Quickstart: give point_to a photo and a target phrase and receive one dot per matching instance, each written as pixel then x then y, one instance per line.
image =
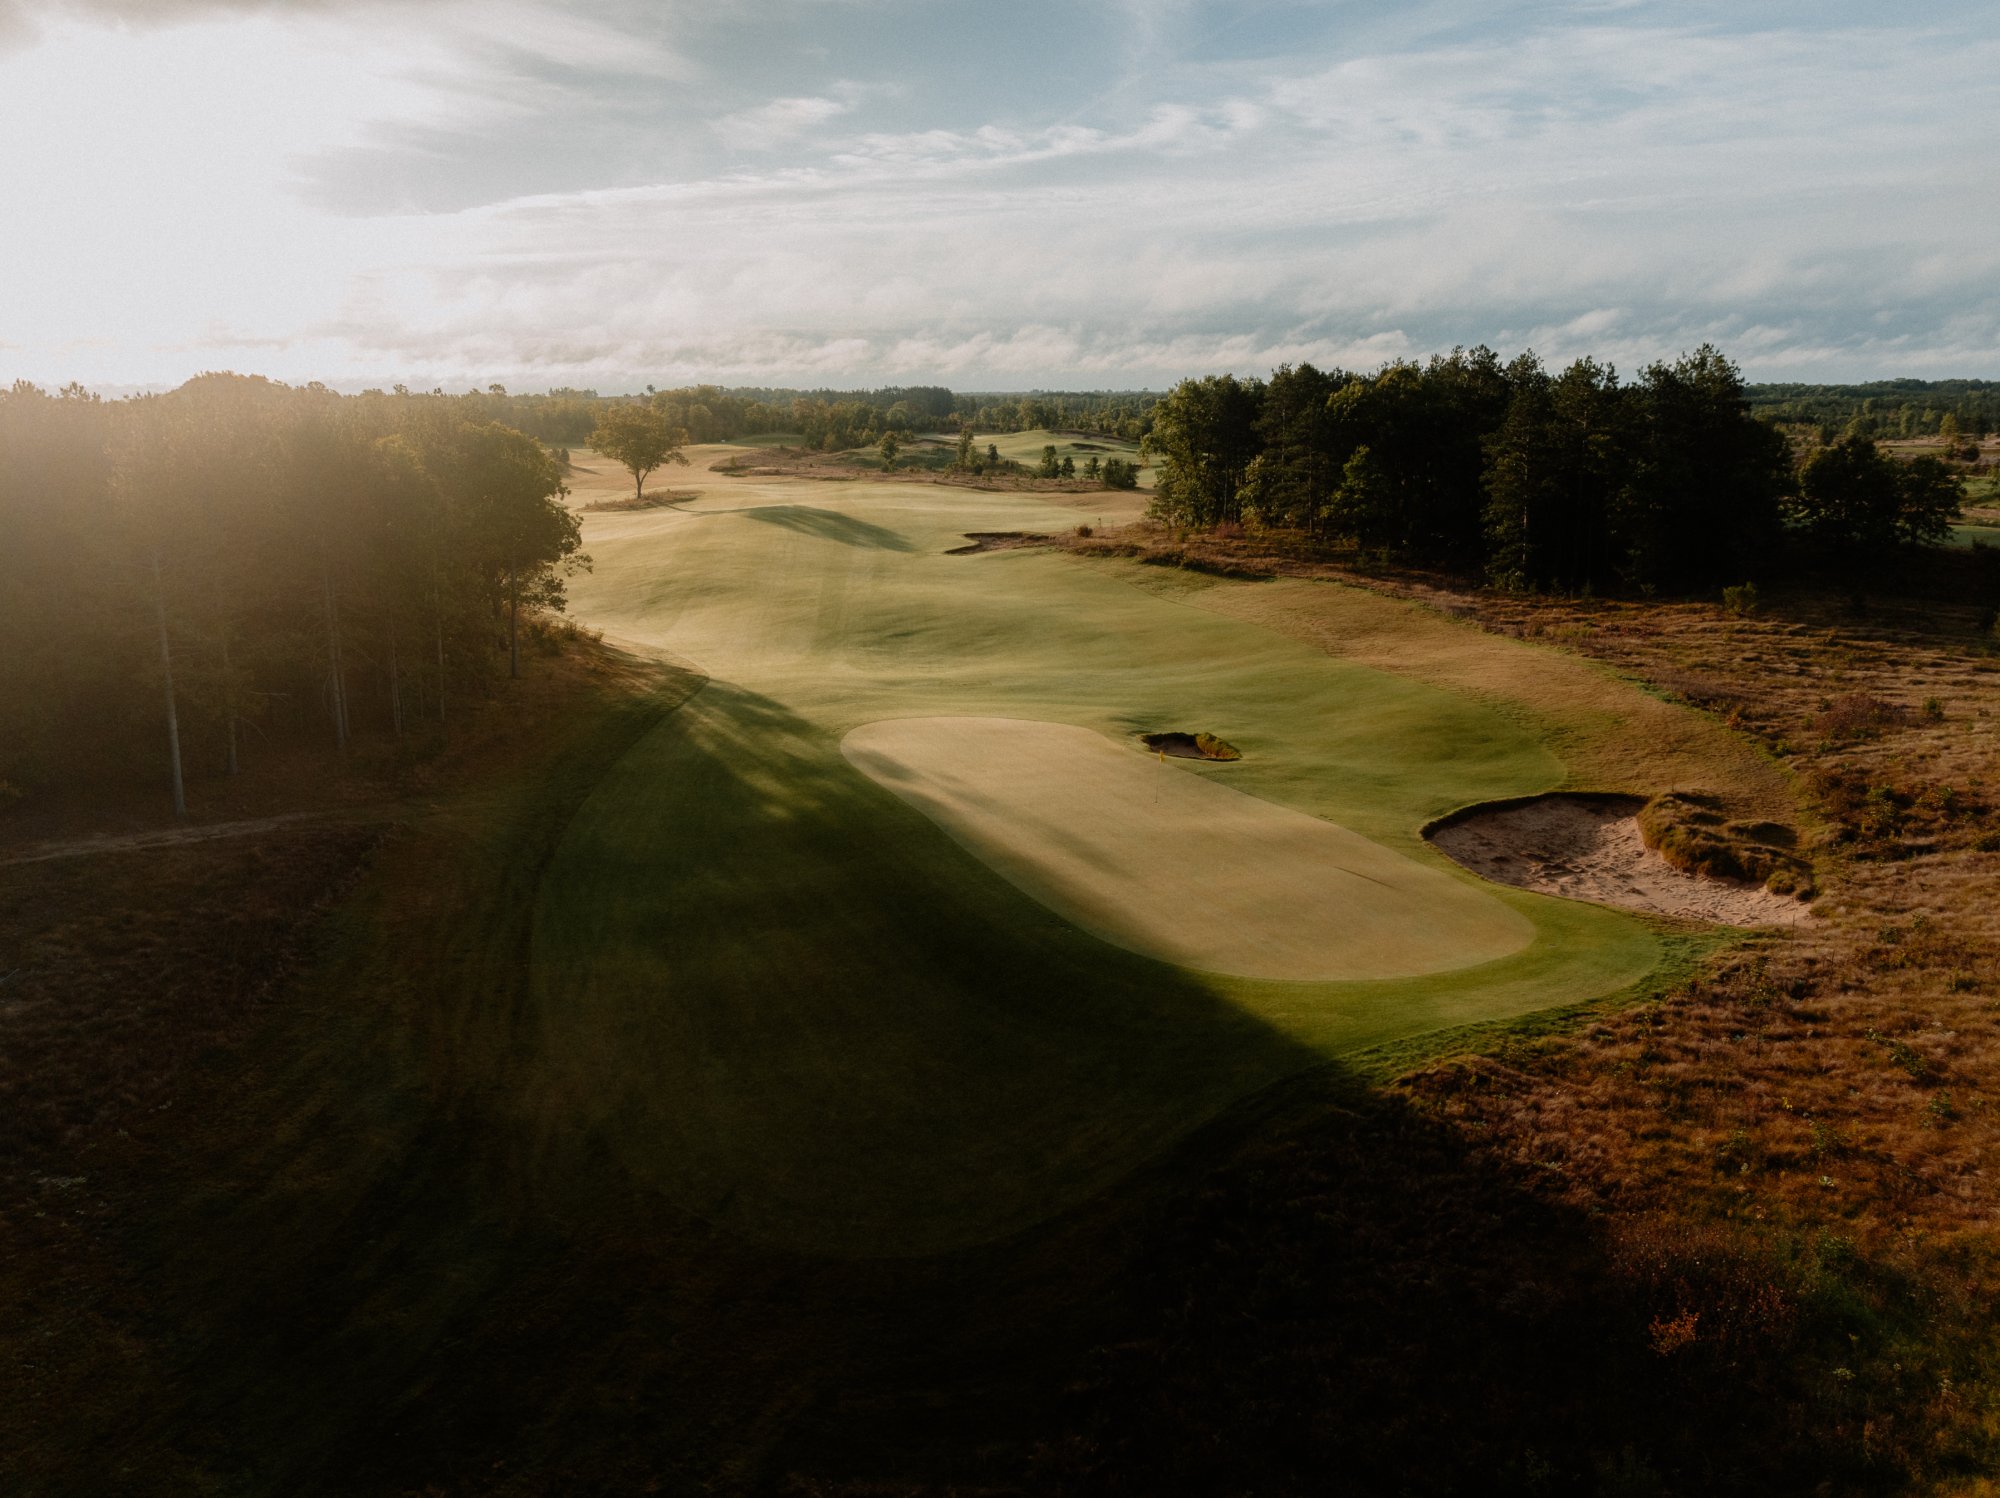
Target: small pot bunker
pixel 1191 745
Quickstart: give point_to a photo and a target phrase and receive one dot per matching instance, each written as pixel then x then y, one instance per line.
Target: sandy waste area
pixel 1586 849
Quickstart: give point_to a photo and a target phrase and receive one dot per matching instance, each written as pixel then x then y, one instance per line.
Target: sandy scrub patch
pixel 1589 848
pixel 1159 860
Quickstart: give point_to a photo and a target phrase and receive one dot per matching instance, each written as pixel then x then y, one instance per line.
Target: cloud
pixel 778 123
pixel 22 22
pixel 571 193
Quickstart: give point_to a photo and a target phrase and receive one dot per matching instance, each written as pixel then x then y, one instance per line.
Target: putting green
pixel 1146 855
pixel 800 1005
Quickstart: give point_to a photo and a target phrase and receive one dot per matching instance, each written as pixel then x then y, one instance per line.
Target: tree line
pixel 1123 414
pixel 829 420
pixel 1536 478
pixel 1884 409
pixel 846 419
pixel 192 577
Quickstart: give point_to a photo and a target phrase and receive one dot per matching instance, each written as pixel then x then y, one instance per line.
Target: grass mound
pixel 1191 745
pixel 1690 832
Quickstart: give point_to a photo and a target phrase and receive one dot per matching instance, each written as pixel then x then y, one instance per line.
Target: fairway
pixel 832 1000
pixel 1164 862
pixel 1026 448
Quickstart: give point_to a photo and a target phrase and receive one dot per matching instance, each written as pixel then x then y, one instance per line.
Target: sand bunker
pixel 1190 746
pixel 1154 858
pixel 1589 848
pixel 998 541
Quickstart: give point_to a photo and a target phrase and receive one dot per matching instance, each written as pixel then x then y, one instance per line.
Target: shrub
pixel 1690 833
pixel 1741 601
pixel 1857 716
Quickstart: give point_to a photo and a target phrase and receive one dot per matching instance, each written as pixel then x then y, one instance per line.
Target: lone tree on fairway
pixel 640 438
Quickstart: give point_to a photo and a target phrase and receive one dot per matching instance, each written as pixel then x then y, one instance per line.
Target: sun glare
pixel 161 205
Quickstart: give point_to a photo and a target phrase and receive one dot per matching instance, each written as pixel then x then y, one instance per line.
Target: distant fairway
pixel 1026 447
pixel 806 1009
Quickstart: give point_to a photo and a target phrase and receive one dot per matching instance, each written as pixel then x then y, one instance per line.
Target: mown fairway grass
pixel 792 1002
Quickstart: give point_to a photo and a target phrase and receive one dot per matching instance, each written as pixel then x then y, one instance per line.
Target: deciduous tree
pixel 641 438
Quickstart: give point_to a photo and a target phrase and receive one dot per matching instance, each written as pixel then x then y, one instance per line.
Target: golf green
pixel 822 1013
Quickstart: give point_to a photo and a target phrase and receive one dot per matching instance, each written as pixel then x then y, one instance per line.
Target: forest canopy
pixel 1532 477
pixel 243 558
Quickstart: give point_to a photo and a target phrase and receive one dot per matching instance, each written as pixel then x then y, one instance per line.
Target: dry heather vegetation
pixel 1692 832
pixel 1794 1151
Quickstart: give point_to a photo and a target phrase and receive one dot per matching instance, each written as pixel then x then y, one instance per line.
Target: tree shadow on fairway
pixel 701 1119
pixel 791 1001
pixel 830 525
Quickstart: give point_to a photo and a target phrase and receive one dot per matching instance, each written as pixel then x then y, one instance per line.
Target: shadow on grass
pixel 830 525
pixel 787 999
pixel 687 1120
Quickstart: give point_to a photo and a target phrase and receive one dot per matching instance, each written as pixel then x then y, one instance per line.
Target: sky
pixel 1092 194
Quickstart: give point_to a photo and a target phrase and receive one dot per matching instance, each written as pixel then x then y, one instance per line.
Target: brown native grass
pixel 1822 1107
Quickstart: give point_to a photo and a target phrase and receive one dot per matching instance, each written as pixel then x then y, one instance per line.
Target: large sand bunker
pixel 1590 848
pixel 1159 860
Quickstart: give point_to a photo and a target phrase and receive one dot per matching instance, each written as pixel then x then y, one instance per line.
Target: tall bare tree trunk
pixel 513 624
pixel 437 614
pixel 395 689
pixel 229 698
pixel 336 683
pixel 167 679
